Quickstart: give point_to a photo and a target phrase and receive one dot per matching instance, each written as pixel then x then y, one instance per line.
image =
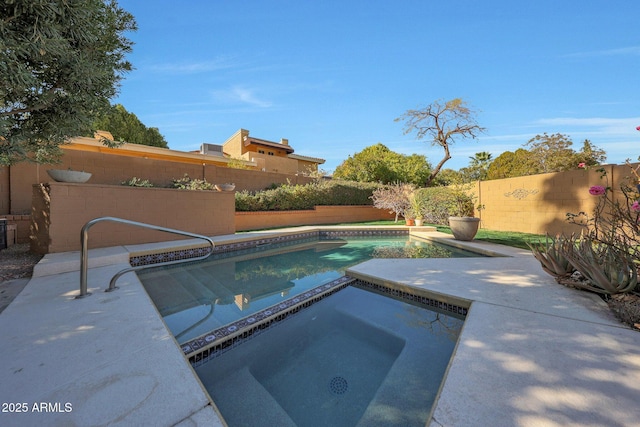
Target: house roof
pixel 307 158
pixel 256 141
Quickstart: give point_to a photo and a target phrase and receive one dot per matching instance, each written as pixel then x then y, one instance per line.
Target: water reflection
pixel 195 298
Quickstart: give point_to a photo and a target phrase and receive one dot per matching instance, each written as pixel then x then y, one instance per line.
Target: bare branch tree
pixel 443 122
pixel 395 197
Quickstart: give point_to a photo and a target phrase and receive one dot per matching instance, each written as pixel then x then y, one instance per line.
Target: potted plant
pixel 463 224
pixel 409 217
pixel 417 208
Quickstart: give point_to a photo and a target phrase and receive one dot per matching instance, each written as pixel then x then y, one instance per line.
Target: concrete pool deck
pixel 531 353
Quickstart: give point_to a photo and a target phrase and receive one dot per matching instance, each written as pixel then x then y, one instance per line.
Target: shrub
pixel 186 183
pixel 552 255
pixel 138 182
pixel 442 202
pixel 608 269
pixel 301 197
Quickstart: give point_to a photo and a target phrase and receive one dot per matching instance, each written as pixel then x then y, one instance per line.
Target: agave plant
pixel 609 269
pixel 550 254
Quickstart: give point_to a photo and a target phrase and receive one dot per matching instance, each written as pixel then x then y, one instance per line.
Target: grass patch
pixel 508 238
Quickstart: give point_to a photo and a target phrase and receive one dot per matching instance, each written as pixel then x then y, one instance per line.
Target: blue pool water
pixel 353 358
pixel 196 298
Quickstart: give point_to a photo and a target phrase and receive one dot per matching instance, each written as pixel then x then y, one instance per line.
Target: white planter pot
pixel 464 227
pixel 225 187
pixel 66 175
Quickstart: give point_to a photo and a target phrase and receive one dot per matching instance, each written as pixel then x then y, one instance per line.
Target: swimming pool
pixel 354 358
pixel 196 298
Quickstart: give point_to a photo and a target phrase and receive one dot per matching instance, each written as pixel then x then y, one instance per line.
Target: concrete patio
pixel 531 353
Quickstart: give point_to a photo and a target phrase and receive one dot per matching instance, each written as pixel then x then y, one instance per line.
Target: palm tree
pixel 482 159
pixel 479 165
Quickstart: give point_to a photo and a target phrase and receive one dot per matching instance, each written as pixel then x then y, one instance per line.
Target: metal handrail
pixel 84 251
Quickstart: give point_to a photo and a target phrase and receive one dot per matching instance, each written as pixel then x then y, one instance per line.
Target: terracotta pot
pixel 464 227
pixel 409 222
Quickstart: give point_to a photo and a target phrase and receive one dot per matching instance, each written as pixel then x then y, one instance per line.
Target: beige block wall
pixel 60 210
pixel 539 203
pixel 320 215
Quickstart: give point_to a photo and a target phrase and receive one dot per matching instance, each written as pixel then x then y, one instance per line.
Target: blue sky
pixel 332 76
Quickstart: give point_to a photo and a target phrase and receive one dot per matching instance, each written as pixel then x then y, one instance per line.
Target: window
pixel 271 153
pixel 260 151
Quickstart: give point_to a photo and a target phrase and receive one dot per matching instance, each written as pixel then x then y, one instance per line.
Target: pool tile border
pixel 412 297
pixel 206 347
pixel 180 254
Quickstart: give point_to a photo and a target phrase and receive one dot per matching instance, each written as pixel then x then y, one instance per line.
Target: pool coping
pixel 514 364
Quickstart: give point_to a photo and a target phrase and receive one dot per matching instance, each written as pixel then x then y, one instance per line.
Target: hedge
pixel 301 197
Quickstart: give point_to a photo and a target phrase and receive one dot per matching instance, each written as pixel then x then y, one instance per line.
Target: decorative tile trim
pixel 204 348
pixel 150 259
pixel 215 343
pixel 408 296
pixel 362 233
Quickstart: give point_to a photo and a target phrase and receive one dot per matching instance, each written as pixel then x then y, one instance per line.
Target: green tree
pixel 126 127
pixel 511 164
pixel 443 122
pixel 547 153
pixel 448 177
pixel 553 152
pixel 590 155
pixel 60 63
pixel 377 163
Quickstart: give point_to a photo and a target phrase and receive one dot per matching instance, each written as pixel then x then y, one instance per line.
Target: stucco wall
pixel 320 215
pixel 273 164
pixel 60 210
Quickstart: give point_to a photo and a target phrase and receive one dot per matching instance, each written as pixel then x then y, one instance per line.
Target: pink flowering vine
pixel 635 206
pixel 597 190
pixel 582 165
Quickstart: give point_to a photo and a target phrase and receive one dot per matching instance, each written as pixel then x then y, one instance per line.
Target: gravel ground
pixel 17 262
pixel 16 267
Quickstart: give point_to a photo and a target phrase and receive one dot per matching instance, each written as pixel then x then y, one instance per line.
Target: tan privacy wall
pixel 113 169
pixel 60 210
pixel 539 203
pixel 320 215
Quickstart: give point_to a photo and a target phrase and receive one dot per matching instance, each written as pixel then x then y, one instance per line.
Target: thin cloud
pixel 594 124
pixel 622 51
pixel 220 63
pixel 243 95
